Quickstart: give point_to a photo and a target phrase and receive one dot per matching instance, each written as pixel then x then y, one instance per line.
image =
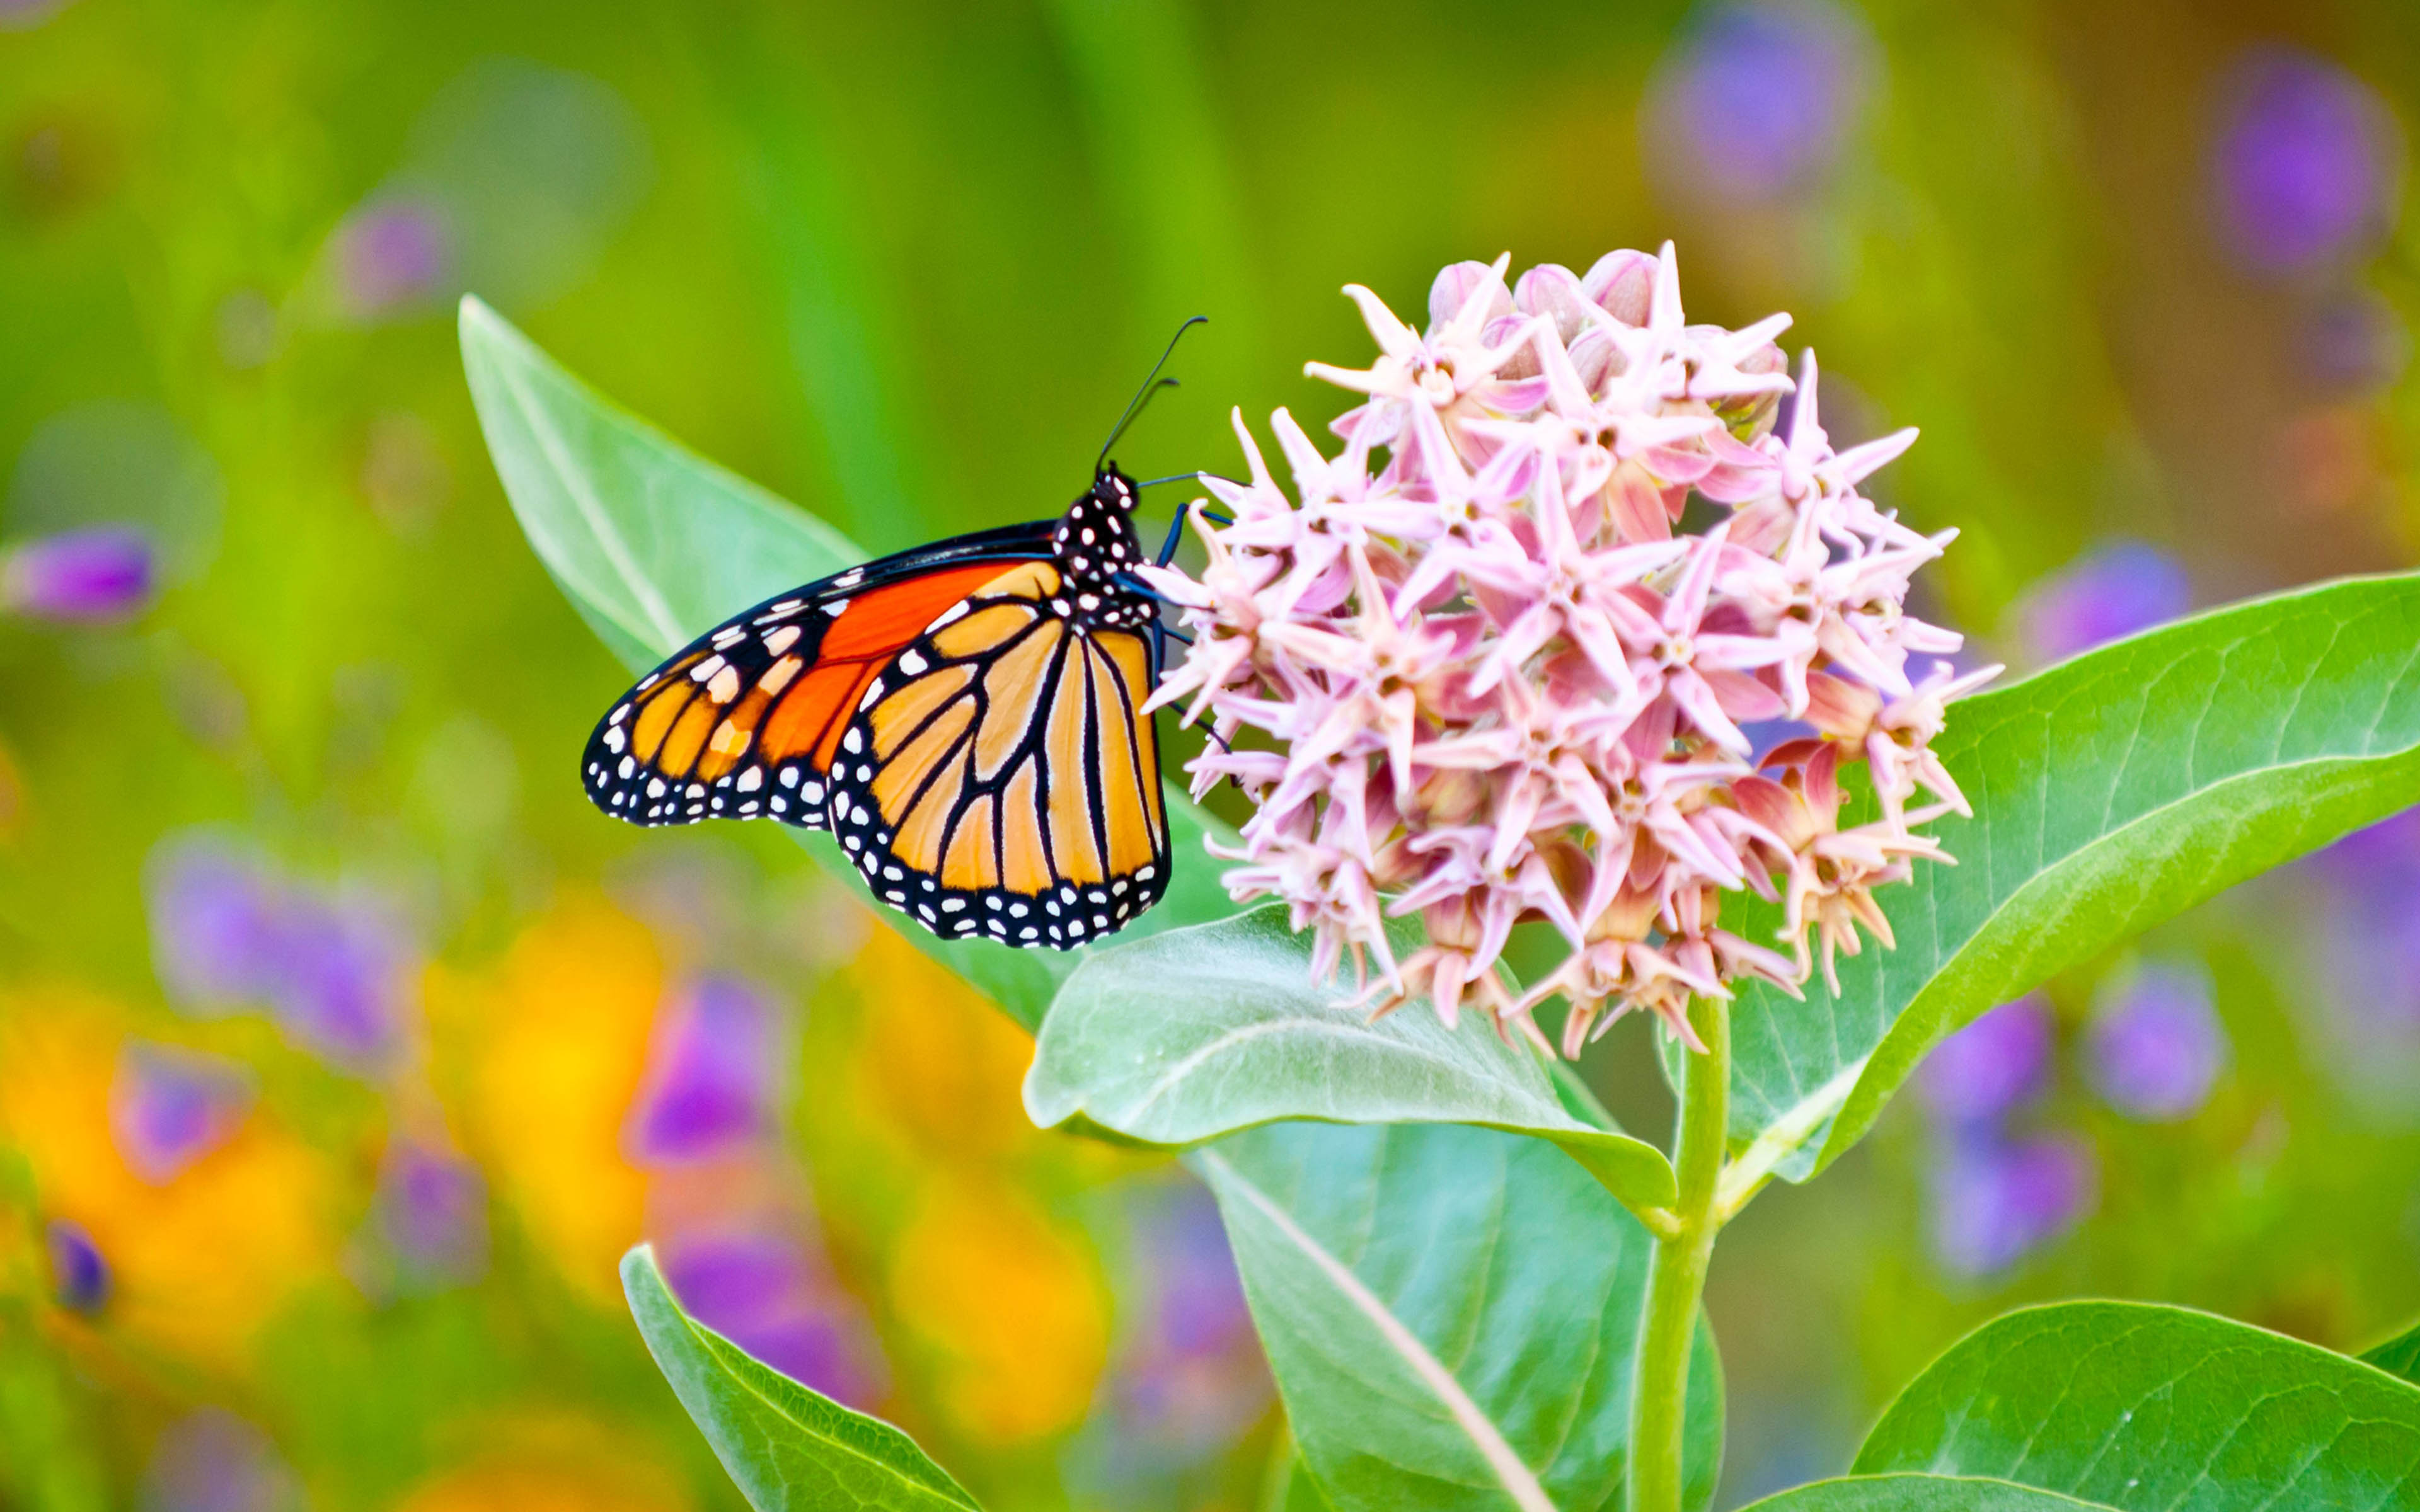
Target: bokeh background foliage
pixel 341 1042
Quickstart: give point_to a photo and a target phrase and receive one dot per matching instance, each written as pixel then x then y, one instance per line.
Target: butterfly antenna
pixel 1151 385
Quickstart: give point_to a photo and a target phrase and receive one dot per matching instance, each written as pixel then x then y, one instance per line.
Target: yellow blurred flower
pixel 556 1467
pixel 198 1261
pixel 568 1013
pixel 939 1062
pixel 1014 1311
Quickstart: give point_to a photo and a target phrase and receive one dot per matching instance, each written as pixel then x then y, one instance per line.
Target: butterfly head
pixel 1114 489
pixel 1094 541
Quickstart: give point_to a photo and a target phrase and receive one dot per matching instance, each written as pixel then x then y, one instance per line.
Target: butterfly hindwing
pixel 999 779
pixel 746 720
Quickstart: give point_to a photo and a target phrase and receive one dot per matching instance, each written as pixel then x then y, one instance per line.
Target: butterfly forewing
pixel 1000 779
pixel 747 720
pixel 968 718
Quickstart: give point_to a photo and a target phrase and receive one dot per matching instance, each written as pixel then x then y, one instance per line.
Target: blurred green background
pixel 343 1047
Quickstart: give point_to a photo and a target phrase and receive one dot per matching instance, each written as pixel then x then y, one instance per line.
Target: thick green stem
pixel 1659 1382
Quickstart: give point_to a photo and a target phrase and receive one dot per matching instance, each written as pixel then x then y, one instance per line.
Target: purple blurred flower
pixel 1191 1377
pixel 760 1289
pixel 1759 102
pixel 1992 1066
pixel 2364 947
pixel 392 253
pixel 91 575
pixel 1996 1200
pixel 709 1077
pixel 432 1208
pixel 214 1461
pixel 169 1108
pixel 25 15
pixel 2305 166
pixel 2156 1044
pixel 1201 1308
pixel 226 930
pixel 78 1275
pixel 216 924
pixel 340 978
pixel 2111 593
pixel 2372 912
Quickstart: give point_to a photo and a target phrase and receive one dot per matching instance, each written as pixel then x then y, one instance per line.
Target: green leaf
pixel 654 546
pixel 1200 1032
pixel 2110 793
pixel 650 542
pixel 1451 1314
pixel 787 1448
pixel 2137 1405
pixel 1920 1493
pixel 2398 1356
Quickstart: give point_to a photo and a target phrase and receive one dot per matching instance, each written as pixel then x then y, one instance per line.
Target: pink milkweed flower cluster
pixel 1495 681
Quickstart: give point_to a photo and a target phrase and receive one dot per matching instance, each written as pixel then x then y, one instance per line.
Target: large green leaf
pixel 1451 1313
pixel 2110 793
pixel 788 1448
pixel 654 546
pixel 651 544
pixel 1920 1493
pixel 1201 1032
pixel 2143 1407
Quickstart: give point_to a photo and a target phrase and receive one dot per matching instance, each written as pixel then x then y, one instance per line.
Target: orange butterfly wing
pixel 1002 779
pixel 746 720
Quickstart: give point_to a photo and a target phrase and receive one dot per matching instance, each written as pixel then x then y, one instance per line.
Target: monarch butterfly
pixel 966 716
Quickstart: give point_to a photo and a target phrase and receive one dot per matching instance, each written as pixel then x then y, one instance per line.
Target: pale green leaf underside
pixel 1920 1493
pixel 789 1449
pixel 1449 1312
pixel 2110 793
pixel 2142 1407
pixel 1201 1032
pixel 654 546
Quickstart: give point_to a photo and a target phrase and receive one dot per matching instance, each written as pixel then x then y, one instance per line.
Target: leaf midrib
pixel 1517 1480
pixel 713 1345
pixel 1229 1038
pixel 592 511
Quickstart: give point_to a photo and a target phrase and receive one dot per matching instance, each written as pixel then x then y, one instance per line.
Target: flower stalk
pixel 1676 1277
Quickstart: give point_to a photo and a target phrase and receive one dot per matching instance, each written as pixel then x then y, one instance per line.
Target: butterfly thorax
pixel 1095 545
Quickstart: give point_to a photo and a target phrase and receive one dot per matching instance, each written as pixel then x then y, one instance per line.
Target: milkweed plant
pixel 1580 625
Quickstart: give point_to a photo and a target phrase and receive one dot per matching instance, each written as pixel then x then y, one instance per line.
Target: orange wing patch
pixel 750 718
pixel 1014 790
